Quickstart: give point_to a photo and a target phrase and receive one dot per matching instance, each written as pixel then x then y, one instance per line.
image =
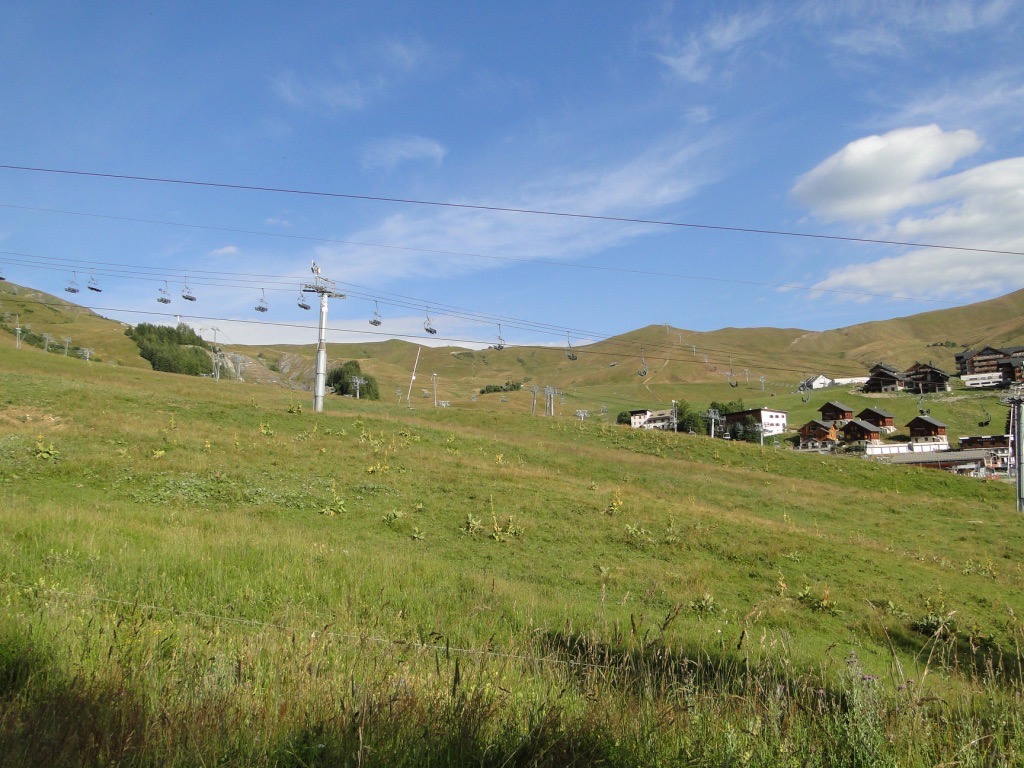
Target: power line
pixel 519 259
pixel 502 209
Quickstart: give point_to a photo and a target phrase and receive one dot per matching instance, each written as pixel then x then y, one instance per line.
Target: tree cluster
pixel 176 349
pixel 508 386
pixel 340 380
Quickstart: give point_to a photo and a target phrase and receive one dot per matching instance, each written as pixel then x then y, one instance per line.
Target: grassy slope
pixel 218 499
pixel 49 314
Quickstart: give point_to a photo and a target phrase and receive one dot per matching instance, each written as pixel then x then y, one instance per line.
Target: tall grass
pixel 198 574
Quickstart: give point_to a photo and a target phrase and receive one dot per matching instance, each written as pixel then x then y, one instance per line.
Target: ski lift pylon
pixel 261 305
pixel 375 321
pixel 164 296
pixel 186 292
pixel 426 323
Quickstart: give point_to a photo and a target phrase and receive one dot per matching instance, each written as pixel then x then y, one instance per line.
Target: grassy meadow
pixel 207 573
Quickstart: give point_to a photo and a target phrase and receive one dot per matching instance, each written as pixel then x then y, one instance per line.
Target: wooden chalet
pixel 836 412
pixel 925 378
pixel 885 378
pixel 857 431
pixel 985 360
pixel 925 426
pixel 884 420
pixel 1012 370
pixel 815 429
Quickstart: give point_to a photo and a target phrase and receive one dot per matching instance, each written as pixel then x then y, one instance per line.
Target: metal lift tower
pixel 325 288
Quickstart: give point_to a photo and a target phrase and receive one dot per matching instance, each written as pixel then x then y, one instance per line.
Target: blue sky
pixel 878 120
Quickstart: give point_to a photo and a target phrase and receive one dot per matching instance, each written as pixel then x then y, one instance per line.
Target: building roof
pixel 837 406
pixel 885 367
pixel 938 457
pixel 820 423
pixel 927 420
pixel 866 426
pixel 925 366
pixel 877 412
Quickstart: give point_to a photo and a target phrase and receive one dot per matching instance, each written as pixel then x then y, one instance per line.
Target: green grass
pixel 195 573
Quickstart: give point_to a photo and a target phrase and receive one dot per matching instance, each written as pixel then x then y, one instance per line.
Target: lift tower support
pixel 326 289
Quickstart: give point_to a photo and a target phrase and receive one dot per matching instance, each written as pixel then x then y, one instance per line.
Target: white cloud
pixel 697 58
pixel 227 250
pixel 931 274
pixel 878 175
pixel 387 154
pixel 273 221
pixel 893 182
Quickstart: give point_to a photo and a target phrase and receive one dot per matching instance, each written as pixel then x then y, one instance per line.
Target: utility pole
pixel 358 381
pixel 325 288
pixel 408 396
pixel 1016 402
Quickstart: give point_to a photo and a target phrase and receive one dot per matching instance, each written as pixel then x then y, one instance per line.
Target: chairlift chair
pixel 988 417
pixel 643 364
pixel 93 285
pixel 501 342
pixel 569 353
pixel 72 286
pixel 375 320
pixel 186 292
pixel 261 305
pixel 303 304
pixel 426 324
pixel 164 296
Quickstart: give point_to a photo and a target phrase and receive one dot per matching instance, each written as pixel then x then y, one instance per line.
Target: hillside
pixel 201 572
pixel 765 363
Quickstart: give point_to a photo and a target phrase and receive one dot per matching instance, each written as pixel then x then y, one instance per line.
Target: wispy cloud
pixel 895 184
pixel 387 154
pixel 227 250
pixel 701 54
pixel 995 99
pixel 868 27
pixel 449 239
pixel 351 85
